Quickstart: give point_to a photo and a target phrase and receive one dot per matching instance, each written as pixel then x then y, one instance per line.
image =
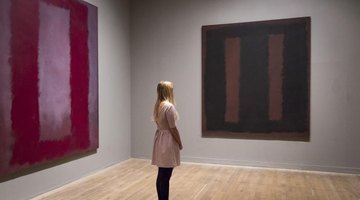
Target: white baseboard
pixel 287 166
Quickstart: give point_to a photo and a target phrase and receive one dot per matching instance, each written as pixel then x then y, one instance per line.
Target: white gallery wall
pixel 114 109
pixel 166 45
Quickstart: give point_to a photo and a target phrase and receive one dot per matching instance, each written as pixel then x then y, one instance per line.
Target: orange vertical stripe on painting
pixel 276 46
pixel 232 73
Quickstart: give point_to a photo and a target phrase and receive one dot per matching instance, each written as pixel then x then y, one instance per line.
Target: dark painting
pixel 256 80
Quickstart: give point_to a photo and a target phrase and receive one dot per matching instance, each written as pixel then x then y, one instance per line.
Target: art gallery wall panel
pixel 114 109
pixel 166 45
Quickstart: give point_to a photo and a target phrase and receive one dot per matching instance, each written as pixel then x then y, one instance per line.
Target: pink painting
pixel 48 81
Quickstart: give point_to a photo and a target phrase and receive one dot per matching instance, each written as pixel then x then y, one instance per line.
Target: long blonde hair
pixel 165 92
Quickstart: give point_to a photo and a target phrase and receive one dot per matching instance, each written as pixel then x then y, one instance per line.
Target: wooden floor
pixel 135 179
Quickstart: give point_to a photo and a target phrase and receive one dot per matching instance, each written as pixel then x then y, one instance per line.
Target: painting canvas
pixel 48 81
pixel 256 80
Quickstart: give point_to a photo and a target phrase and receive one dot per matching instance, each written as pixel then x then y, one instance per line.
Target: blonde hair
pixel 164 93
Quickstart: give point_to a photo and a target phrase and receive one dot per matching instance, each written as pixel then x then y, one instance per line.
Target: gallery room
pixel 262 99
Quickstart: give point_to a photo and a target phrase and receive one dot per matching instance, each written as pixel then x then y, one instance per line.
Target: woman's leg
pixel 162 183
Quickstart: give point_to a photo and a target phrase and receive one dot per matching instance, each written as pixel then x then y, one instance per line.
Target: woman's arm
pixel 175 133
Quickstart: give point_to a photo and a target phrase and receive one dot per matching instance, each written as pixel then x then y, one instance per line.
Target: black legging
pixel 162 183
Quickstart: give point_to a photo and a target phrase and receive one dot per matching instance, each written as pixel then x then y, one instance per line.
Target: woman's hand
pixel 175 133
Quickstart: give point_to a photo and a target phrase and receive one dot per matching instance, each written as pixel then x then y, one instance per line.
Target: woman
pixel 167 142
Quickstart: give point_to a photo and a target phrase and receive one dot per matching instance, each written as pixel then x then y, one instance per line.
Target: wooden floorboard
pixel 135 179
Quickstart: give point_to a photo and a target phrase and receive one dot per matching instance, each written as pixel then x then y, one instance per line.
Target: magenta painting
pixel 48 81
